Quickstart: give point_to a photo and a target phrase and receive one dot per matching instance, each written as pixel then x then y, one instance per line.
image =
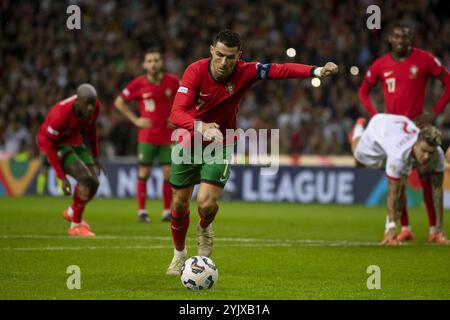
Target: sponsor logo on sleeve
pixel 438 62
pixel 263 70
pixel 52 131
pixel 183 90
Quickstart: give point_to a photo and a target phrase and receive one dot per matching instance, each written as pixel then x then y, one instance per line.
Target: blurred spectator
pixel 42 62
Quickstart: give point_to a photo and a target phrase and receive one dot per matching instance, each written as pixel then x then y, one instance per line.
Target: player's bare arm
pixel 395 203
pixel 437 181
pixel 140 122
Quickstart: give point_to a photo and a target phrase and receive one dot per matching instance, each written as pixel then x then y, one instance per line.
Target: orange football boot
pixel 360 121
pixel 405 235
pixel 80 231
pixel 67 217
pixel 438 238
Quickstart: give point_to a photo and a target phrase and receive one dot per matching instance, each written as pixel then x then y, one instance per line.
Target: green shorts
pixel 68 155
pixel 147 153
pixel 196 168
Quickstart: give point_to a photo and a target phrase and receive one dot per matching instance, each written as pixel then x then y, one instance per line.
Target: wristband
pixel 317 71
pixel 390 225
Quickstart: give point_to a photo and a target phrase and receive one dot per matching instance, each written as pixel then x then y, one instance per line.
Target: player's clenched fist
pixel 66 187
pixel 329 69
pixel 210 131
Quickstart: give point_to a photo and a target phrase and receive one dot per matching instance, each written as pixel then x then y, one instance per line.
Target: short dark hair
pixel 431 135
pixel 152 49
pixel 401 25
pixel 229 38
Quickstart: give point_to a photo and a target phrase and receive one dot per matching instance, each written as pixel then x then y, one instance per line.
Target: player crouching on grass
pixel 60 139
pixel 208 98
pixel 396 141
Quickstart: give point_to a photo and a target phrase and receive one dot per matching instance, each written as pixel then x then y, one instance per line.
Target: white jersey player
pixel 396 142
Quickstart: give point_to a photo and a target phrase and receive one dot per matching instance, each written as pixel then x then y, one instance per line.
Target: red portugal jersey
pixel 404 81
pixel 155 103
pixel 201 97
pixel 63 127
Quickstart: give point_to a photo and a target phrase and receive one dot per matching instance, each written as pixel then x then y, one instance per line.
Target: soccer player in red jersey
pixel 208 98
pixel 154 92
pixel 60 139
pixel 404 73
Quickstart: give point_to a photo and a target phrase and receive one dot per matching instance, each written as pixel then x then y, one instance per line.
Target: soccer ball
pixel 199 273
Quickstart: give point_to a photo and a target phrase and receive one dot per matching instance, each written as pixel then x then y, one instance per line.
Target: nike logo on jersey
pixel 387 74
pixel 204 94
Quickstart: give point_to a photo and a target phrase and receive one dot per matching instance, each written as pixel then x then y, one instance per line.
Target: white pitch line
pixel 224 239
pixel 86 248
pixel 152 247
pixel 230 242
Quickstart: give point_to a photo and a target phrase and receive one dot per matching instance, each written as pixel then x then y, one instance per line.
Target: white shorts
pixel 366 154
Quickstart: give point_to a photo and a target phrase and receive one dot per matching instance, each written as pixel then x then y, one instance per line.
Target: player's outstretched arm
pixel 140 122
pixel 294 70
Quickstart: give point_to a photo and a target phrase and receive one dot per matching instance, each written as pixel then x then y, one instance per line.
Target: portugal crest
pixel 230 87
pixel 413 72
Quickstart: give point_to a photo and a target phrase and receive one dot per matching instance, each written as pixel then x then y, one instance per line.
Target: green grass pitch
pixel 262 251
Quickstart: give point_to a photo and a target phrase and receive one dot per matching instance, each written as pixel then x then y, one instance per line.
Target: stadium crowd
pixel 42 62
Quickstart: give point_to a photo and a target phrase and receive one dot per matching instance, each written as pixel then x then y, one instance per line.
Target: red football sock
pixel 167 194
pixel 404 220
pixel 141 193
pixel 180 225
pixel 206 220
pixel 428 198
pixel 78 205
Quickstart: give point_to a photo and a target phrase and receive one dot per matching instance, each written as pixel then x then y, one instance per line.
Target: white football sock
pixel 177 253
pixel 434 229
pixel 407 228
pixel 70 212
pixel 74 224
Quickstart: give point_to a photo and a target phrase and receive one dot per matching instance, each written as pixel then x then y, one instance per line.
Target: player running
pixel 404 73
pixel 396 142
pixel 210 93
pixel 154 92
pixel 60 139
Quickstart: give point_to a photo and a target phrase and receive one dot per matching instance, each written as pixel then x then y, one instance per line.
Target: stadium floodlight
pixel 315 82
pixel 291 52
pixel 354 70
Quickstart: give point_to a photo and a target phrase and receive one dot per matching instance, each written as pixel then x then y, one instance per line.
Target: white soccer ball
pixel 199 273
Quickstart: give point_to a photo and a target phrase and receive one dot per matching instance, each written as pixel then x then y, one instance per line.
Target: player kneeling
pixel 61 141
pixel 398 143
